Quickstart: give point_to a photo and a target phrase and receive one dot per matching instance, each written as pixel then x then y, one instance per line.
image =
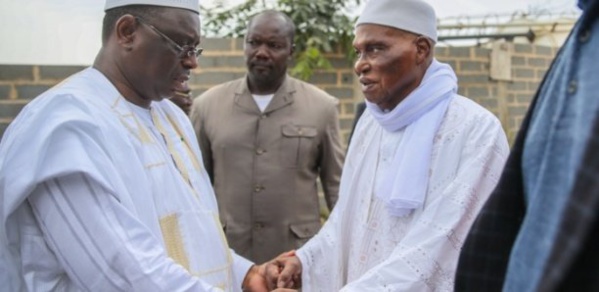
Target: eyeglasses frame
pixel 184 51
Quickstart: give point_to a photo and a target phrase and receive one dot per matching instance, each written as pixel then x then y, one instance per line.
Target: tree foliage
pixel 322 26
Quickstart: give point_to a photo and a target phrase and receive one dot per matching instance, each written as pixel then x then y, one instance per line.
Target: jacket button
pixel 260 151
pixel 584 36
pixel 258 188
pixel 572 87
pixel 258 225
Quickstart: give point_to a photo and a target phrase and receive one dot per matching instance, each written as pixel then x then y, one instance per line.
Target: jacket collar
pixel 283 96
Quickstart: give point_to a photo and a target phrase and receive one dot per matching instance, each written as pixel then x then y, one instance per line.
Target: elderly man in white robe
pixel 421 163
pixel 101 182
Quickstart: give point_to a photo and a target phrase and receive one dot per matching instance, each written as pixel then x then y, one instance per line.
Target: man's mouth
pixel 260 66
pixel 182 86
pixel 181 93
pixel 367 84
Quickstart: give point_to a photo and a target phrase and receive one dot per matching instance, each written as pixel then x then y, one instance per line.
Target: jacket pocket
pixel 302 232
pixel 296 143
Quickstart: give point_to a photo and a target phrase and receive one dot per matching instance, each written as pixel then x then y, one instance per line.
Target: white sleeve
pixel 102 245
pixel 241 266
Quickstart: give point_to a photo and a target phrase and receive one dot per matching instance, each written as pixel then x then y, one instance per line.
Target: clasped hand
pixel 281 274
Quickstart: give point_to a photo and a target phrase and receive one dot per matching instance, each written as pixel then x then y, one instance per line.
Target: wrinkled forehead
pixel 180 21
pixel 268 25
pixel 177 16
pixel 367 32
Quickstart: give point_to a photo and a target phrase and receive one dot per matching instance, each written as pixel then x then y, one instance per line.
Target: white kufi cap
pixel 193 5
pixel 415 16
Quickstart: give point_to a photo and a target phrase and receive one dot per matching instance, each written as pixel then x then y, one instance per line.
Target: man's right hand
pixel 284 271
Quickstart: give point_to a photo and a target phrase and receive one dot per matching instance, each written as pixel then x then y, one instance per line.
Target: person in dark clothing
pixel 539 229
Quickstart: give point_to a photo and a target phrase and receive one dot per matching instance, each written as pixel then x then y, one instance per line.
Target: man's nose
pixel 361 66
pixel 262 51
pixel 190 62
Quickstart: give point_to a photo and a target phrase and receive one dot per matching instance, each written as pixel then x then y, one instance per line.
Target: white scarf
pixel 404 185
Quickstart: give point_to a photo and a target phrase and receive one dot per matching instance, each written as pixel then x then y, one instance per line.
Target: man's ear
pixel 424 49
pixel 125 28
pixel 291 51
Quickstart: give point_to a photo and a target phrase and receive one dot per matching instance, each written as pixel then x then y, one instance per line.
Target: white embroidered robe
pixel 97 194
pixel 363 248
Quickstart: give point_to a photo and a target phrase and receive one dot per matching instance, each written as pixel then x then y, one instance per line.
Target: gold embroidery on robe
pixel 175 248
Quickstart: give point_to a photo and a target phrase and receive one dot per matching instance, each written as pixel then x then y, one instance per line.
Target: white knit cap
pixel 193 5
pixel 415 16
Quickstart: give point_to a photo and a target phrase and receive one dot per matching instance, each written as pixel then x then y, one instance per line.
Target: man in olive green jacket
pixel 265 140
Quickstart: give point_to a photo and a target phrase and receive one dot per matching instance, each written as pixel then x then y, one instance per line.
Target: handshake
pixel 281 274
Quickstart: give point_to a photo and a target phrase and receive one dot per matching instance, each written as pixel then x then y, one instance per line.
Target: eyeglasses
pixel 182 51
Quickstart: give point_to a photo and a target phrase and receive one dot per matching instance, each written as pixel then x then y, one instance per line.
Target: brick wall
pixel 223 61
pixel 508 100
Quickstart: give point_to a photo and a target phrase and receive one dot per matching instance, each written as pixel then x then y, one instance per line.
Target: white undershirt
pixel 262 100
